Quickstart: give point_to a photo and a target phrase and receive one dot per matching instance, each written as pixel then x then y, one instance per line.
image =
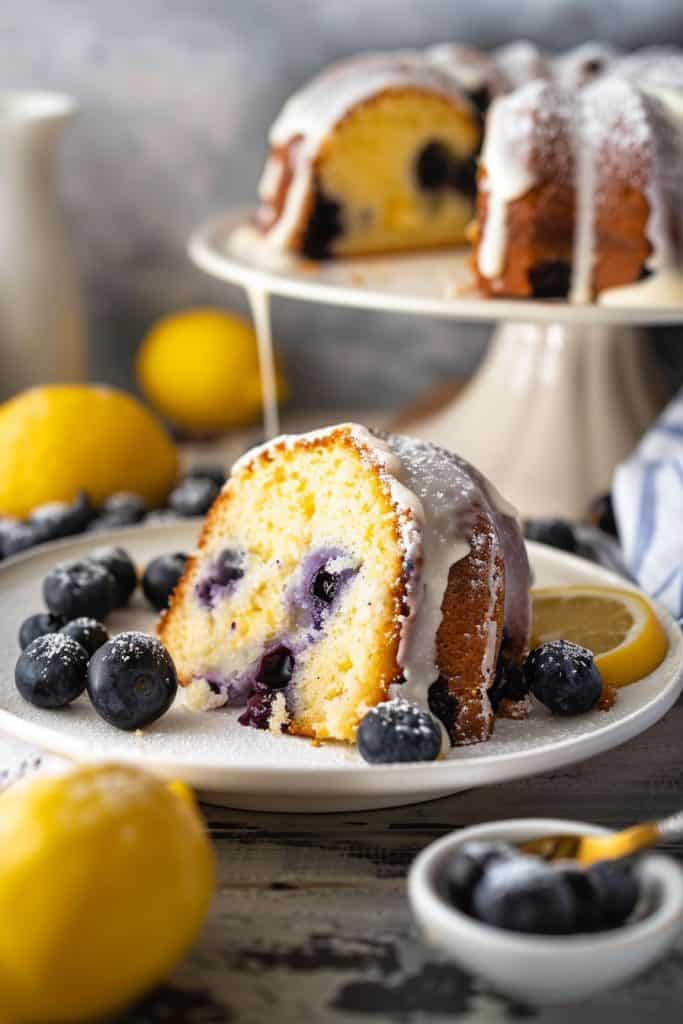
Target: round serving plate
pixel 246 768
pixel 437 283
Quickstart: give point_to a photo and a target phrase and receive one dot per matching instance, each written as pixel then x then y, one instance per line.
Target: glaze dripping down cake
pixel 341 568
pixel 579 188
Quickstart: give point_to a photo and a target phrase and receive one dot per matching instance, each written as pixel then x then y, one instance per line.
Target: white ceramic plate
pixel 437 283
pixel 243 767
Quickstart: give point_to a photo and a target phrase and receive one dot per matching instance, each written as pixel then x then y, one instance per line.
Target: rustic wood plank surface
pixel 311 923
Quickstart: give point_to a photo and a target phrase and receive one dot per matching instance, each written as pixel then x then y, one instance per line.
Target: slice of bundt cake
pixel 374 155
pixel 339 568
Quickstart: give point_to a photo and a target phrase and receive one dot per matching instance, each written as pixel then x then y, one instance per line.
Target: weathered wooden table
pixel 311 923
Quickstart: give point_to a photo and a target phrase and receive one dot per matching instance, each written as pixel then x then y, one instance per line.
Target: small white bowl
pixel 539 969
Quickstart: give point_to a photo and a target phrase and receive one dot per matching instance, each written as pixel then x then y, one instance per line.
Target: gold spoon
pixel 588 849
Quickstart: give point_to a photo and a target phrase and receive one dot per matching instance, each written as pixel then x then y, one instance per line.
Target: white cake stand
pixel 563 394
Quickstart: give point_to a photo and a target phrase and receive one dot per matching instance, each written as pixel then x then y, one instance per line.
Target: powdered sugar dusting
pixel 51 647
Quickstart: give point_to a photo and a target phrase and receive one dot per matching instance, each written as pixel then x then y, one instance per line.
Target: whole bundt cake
pixel 579 192
pixel 340 568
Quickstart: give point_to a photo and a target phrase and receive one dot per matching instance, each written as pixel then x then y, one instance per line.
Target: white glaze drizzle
pixel 508 157
pixel 310 115
pixel 521 62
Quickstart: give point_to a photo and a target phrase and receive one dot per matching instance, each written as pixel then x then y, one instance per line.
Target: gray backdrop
pixel 176 99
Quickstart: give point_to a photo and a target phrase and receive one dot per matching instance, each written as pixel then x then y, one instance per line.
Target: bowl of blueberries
pixel 543 932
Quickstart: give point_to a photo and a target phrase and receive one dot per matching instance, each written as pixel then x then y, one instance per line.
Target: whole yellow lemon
pixel 106 874
pixel 200 370
pixel 61 439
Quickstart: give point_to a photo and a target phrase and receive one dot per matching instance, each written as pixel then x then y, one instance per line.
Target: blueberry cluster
pixel 501 886
pixel 192 496
pixel 131 679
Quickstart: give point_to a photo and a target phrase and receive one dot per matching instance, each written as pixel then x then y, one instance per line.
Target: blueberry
pixel 510 683
pixel 601 514
pixel 21 537
pixel 325 225
pixel 121 509
pixel 444 705
pixel 61 518
pixel 132 680
pixel 7 526
pixel 51 672
pixel 37 625
pixel 325 585
pixel 118 562
pixel 82 587
pixel 193 496
pixel 433 166
pixel 225 569
pixel 586 893
pixel 398 731
pixel 276 668
pixel 259 707
pixel 524 894
pixel 161 578
pixel 466 868
pixel 563 676
pixel 617 887
pixel 209 472
pixel 557 533
pixel 89 633
pixel 324 574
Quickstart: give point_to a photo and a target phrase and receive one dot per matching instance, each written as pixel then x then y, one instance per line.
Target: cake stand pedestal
pixel 563 394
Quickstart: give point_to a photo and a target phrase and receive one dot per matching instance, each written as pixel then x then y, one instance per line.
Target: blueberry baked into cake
pixel 564 171
pixel 342 568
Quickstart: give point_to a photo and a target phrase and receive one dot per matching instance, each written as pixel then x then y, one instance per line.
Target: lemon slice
pixel 619 626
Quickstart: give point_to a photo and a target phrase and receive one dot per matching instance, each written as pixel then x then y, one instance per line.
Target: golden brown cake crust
pixel 463 638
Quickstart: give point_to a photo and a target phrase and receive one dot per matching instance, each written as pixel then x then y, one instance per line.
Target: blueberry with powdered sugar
pixel 562 675
pixel 37 625
pixel 121 509
pixel 51 672
pixel 7 527
pixel 398 731
pixel 132 680
pixel 208 472
pixel 58 519
pixel 89 633
pixel 118 562
pixel 19 537
pixel 193 496
pixel 80 587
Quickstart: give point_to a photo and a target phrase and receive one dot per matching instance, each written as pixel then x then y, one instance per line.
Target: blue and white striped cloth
pixel 648 505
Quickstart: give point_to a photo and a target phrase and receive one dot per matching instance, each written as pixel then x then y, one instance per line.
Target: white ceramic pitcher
pixel 41 321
